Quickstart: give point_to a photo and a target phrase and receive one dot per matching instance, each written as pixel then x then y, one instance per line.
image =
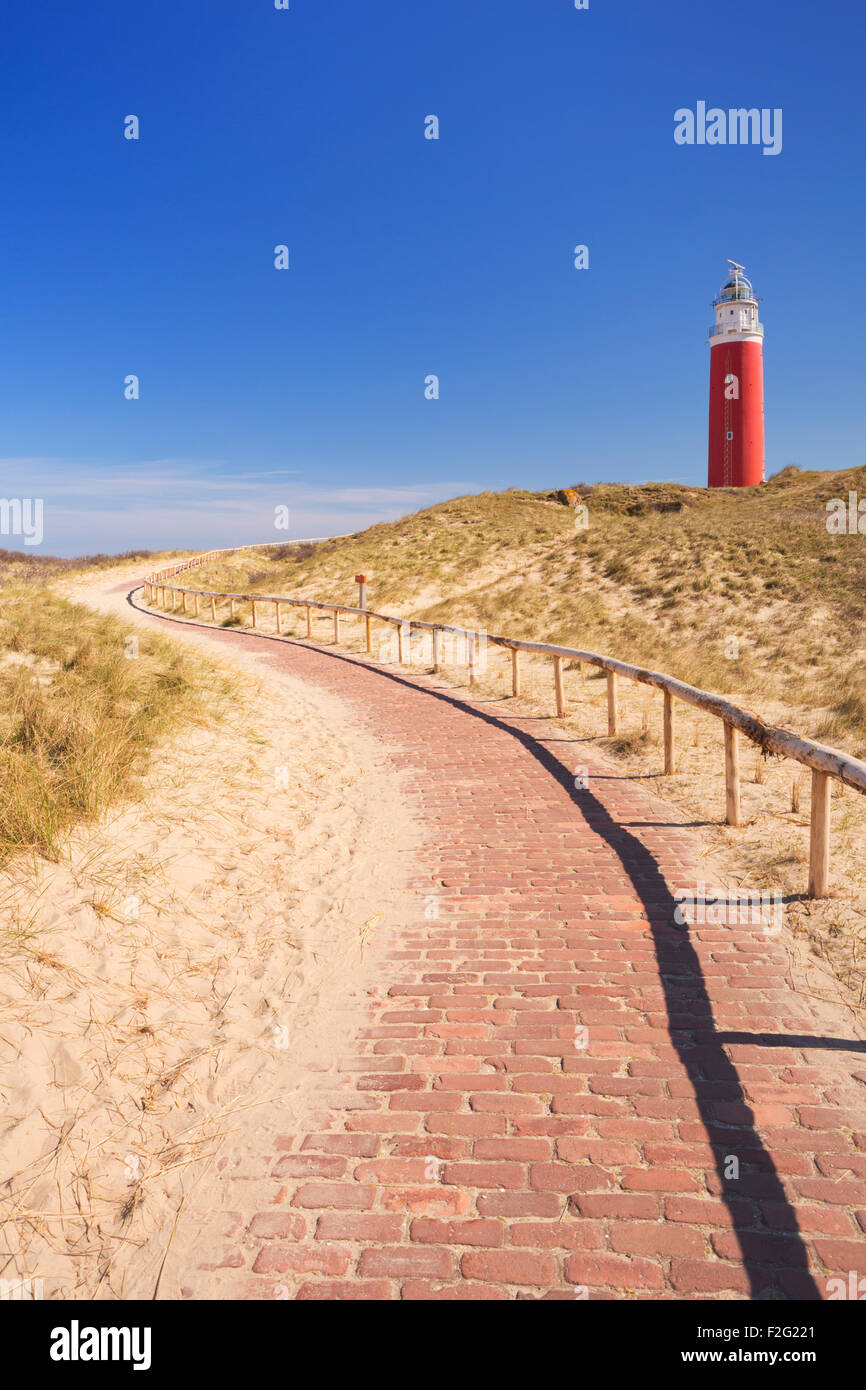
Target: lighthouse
pixel 736 440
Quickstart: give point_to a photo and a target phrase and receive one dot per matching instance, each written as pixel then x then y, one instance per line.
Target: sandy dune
pixel 170 987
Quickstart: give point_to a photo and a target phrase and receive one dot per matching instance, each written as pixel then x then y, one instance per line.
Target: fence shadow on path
pixel 700 1047
pixel 691 1026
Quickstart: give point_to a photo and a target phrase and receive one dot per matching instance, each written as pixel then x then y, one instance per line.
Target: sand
pixel 185 979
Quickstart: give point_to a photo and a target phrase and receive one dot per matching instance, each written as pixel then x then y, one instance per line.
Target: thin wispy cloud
pixel 166 503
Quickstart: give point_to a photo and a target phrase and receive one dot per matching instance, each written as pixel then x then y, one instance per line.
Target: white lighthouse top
pixel 736 306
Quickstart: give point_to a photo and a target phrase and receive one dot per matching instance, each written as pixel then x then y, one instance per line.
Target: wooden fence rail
pixel 825 763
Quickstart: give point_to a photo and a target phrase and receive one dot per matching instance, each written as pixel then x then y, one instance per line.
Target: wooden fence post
pixel 557 683
pixel 825 764
pixel 733 814
pixel 670 729
pixel 612 712
pixel 819 836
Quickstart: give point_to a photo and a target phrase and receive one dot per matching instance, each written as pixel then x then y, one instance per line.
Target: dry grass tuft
pixel 742 592
pixel 77 713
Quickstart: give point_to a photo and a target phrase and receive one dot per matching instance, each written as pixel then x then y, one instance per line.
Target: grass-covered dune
pixel 744 592
pixel 663 575
pixel 80 704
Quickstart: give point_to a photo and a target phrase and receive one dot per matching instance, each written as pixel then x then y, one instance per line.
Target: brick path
pixel 483 1146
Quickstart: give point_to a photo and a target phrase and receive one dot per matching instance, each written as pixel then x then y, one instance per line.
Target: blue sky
pixel 305 388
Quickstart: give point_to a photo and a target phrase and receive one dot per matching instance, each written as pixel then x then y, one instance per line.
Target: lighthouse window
pixel 730 434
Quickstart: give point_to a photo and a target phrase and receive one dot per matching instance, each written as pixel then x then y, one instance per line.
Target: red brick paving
pixel 482 1148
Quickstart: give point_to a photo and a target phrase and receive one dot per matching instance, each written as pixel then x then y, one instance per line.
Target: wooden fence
pixel 825 763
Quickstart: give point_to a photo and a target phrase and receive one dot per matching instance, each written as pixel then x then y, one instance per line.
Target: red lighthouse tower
pixel 736 447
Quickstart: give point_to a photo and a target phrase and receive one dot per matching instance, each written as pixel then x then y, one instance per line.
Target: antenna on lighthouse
pixel 736 269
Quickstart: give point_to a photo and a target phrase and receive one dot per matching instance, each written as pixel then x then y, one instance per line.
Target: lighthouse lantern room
pixel 736 435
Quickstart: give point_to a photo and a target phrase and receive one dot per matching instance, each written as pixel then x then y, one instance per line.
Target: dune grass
pixel 80 706
pixel 739 591
pixel 743 592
